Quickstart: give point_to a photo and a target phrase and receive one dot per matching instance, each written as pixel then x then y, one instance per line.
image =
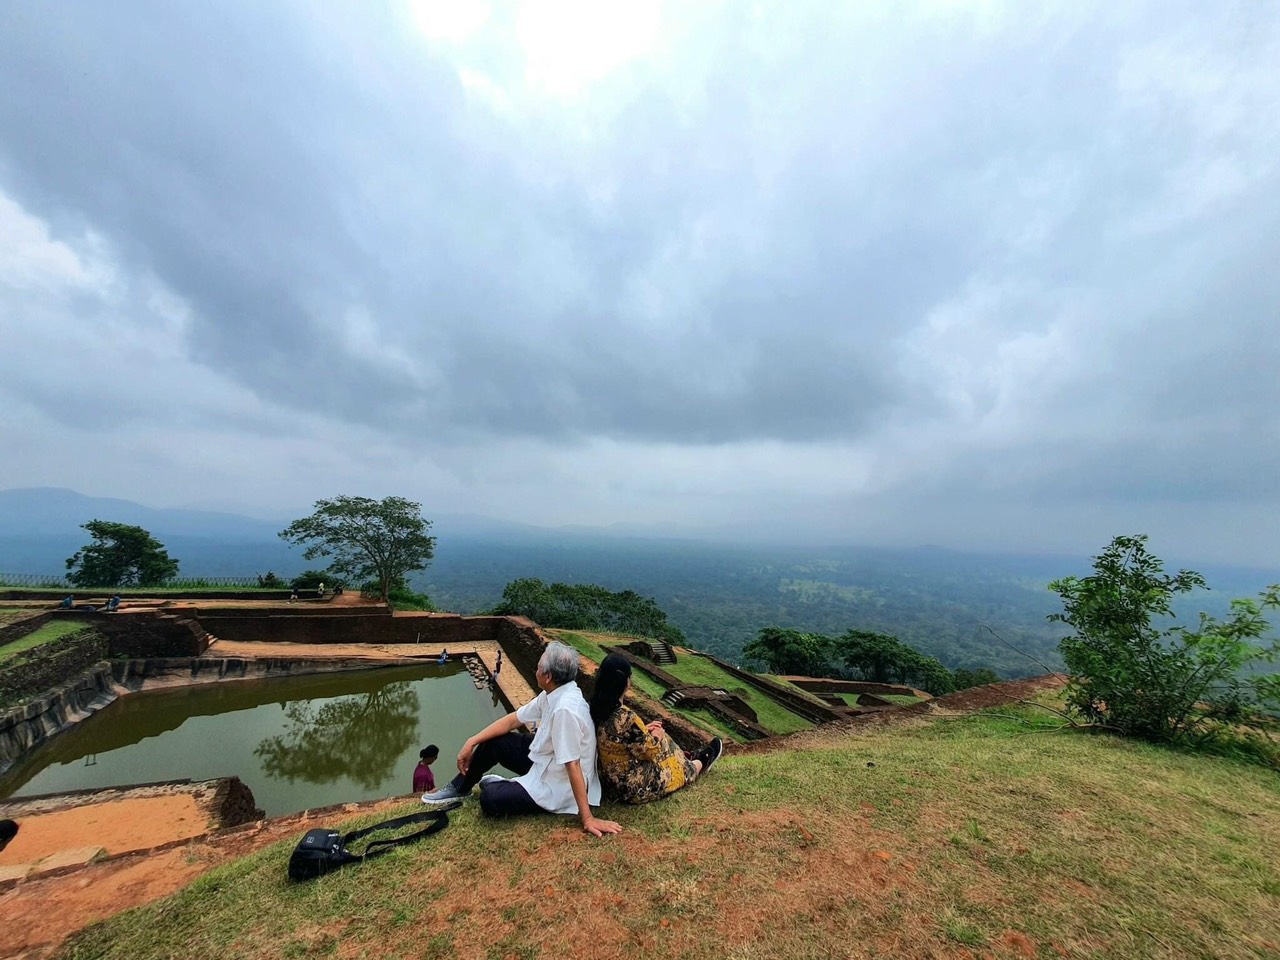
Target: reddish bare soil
pixel 137 823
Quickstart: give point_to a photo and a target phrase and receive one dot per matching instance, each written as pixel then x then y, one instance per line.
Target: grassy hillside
pixel 997 834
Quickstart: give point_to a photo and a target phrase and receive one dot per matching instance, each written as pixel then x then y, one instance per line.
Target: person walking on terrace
pixel 556 763
pixel 639 762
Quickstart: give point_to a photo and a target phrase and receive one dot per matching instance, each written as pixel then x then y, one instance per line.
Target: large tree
pixel 586 606
pixel 379 540
pixel 788 651
pixel 120 555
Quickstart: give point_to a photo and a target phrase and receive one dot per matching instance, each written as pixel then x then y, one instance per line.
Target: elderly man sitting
pixel 556 763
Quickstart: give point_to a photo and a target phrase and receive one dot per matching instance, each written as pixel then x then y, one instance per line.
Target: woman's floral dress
pixel 636 766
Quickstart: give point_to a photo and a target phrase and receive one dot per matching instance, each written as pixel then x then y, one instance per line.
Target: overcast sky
pixel 978 274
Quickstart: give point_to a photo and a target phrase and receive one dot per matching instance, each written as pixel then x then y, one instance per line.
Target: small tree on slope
pixel 1166 684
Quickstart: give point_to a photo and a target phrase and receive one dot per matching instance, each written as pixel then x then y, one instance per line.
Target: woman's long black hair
pixel 611 684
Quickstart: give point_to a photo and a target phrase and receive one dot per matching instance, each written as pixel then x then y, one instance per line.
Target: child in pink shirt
pixel 423 779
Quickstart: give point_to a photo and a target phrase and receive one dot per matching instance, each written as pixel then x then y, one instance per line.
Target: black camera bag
pixel 322 851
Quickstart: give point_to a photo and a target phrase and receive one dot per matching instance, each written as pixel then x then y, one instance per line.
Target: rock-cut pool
pixel 297 742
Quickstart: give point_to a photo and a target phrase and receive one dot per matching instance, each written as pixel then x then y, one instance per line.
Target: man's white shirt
pixel 563 732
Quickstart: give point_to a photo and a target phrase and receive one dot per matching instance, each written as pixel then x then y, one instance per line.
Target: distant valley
pixel 945 603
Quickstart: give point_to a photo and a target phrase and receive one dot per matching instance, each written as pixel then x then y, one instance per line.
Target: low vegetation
pixel 997 834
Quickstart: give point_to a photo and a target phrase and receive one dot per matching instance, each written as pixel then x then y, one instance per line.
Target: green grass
pixel 770 714
pixel 46 633
pixel 992 835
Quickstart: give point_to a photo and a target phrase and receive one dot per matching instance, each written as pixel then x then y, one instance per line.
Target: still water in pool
pixel 297 742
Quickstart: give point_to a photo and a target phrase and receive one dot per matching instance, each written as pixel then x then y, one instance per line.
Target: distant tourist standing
pixel 321 591
pixel 423 778
pixel 444 657
pixel 639 762
pixel 497 669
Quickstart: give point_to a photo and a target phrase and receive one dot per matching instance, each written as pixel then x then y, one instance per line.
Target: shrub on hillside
pixel 586 606
pixel 400 596
pixel 1135 674
pixel 311 579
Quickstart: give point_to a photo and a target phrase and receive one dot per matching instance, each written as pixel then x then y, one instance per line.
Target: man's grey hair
pixel 559 662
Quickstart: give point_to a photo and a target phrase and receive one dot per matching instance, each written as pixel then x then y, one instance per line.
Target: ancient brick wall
pixel 234 804
pixel 152 635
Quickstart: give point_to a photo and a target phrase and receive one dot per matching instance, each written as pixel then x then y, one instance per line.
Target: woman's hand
pixel 655 728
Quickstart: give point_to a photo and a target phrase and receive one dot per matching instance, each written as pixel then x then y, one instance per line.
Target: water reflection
pixel 356 738
pixel 298 742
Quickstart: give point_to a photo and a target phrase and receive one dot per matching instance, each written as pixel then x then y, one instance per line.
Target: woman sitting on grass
pixel 638 763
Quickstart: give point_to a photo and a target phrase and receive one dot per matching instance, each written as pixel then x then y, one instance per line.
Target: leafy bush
pixel 964 678
pixel 311 579
pixel 1162 684
pixel 400 596
pixel 269 581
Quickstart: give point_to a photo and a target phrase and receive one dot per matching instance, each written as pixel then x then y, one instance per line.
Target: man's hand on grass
pixel 598 828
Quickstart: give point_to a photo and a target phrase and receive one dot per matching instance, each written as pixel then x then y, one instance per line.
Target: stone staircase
pixel 661 652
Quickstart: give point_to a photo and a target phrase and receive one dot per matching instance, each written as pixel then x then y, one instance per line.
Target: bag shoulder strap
pixel 436 821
